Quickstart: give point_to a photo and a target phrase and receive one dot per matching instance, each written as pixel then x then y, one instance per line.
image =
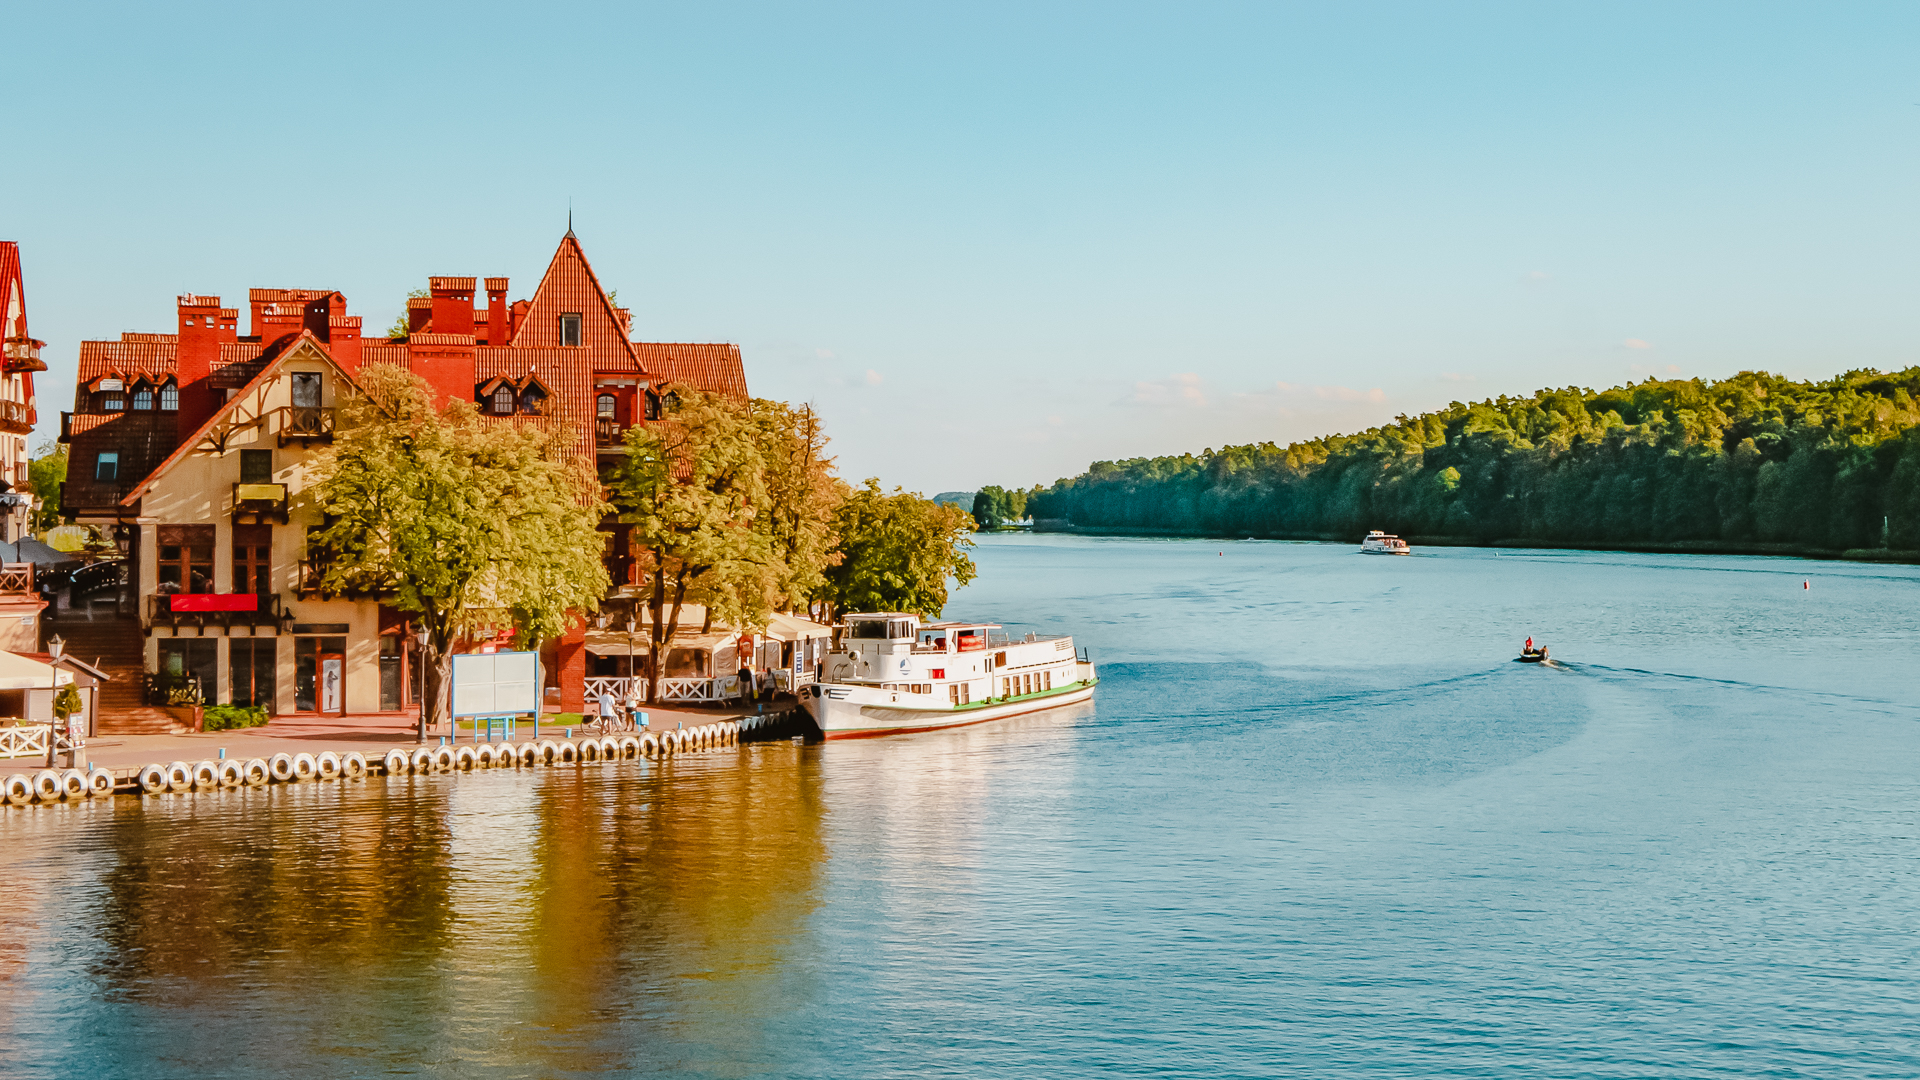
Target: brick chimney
pixel 201 333
pixel 499 323
pixel 452 304
pixel 445 361
pixel 343 341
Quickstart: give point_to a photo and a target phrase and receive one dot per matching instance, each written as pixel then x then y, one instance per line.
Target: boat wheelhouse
pixel 1379 543
pixel 888 673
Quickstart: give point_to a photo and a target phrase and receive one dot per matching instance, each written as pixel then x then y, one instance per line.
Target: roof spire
pixel 570 216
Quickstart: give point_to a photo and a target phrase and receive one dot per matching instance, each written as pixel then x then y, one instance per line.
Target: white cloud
pixel 1182 391
pixel 1636 343
pixel 874 378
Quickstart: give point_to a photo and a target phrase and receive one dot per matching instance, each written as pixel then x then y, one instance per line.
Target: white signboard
pixel 496 684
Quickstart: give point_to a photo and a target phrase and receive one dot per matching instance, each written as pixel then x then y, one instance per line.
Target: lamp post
pixel 55 646
pixel 633 688
pixel 420 658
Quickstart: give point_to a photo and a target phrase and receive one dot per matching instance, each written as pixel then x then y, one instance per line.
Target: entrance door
pixel 333 673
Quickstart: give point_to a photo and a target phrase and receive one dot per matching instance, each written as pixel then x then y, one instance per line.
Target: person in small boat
pixel 1528 647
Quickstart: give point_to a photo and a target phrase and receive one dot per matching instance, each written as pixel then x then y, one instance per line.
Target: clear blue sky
pixel 993 244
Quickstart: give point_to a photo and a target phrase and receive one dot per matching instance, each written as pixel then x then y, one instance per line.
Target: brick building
pixel 189 449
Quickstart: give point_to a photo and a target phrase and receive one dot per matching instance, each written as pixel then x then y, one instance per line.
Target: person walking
pixel 609 712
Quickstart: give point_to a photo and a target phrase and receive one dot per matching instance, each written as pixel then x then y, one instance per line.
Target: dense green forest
pixel 1753 459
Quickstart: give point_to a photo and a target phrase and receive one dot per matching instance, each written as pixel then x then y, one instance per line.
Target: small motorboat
pixel 1379 543
pixel 1533 656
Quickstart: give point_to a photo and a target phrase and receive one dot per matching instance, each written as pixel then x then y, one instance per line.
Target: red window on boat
pixel 938 673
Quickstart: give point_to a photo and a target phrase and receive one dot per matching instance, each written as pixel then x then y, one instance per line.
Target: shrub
pixel 225 717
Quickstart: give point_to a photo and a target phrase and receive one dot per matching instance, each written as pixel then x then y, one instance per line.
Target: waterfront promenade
pixel 370 735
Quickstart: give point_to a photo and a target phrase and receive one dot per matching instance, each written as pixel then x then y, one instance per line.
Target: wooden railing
pixel 16 577
pixel 16 417
pixel 160 613
pixel 30 740
pixel 23 354
pixel 260 500
pixel 609 434
pixel 304 425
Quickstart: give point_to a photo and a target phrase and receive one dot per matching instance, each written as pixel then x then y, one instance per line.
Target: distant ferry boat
pixel 1379 543
pixel 891 674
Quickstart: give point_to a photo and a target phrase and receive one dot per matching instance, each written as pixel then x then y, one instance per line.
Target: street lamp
pixel 420 658
pixel 55 646
pixel 633 688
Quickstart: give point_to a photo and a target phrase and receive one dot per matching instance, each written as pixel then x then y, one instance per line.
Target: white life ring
pixel 649 746
pixel 304 767
pixel 327 764
pixel 232 775
pixel 258 772
pixel 100 782
pixel 588 752
pixel 483 756
pixel 46 785
pixel 569 753
pixel 396 762
pixel 179 776
pixel 19 788
pixel 464 759
pixel 73 784
pixel 528 753
pixel 629 747
pixel 546 752
pixel 280 767
pixel 353 765
pixel 422 760
pixel 206 775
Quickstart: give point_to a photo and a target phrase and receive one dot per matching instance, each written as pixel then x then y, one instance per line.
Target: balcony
pixel 15 416
pixel 609 434
pixel 212 609
pixel 23 354
pixel 304 425
pixel 261 502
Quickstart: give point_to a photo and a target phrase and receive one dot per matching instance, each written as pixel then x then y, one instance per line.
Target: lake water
pixel 1316 824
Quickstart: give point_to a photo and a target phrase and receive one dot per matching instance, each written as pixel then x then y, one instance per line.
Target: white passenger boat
pixel 1379 543
pixel 890 674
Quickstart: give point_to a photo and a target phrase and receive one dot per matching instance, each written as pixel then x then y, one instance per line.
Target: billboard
pixel 496 684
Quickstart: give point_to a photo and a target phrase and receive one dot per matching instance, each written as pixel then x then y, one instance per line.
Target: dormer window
pixel 503 400
pixel 111 396
pixel 107 466
pixel 169 397
pixel 532 398
pixel 142 396
pixel 570 329
pixel 653 405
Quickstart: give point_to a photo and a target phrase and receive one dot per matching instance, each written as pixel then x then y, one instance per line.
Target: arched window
pixel 142 396
pixel 503 400
pixel 169 397
pixel 603 407
pixel 653 405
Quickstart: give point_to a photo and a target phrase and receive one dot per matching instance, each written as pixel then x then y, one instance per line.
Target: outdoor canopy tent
pixel 20 673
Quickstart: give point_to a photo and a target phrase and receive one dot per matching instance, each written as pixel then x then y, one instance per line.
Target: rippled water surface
pixel 1315 824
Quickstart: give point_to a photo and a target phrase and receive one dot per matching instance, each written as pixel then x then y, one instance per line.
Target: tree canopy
pixel 1755 458
pixel 898 550
pixel 472 525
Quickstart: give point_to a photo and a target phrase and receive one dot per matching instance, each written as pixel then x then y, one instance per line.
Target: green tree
pixel 694 489
pixel 45 473
pixel 402 327
pixel 802 495
pixel 898 550
pixel 469 525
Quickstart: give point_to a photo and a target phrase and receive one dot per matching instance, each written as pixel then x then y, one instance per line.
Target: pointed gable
pixel 571 288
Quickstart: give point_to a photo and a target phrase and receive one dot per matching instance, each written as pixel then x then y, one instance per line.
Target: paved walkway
pixel 371 735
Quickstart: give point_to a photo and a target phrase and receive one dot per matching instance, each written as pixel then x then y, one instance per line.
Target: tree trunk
pixel 654 639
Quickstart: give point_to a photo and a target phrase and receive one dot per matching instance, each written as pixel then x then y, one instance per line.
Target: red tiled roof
pixel 457 284
pixel 570 287
pixel 716 368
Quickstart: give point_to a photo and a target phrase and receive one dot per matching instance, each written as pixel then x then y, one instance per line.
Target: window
pixel 186 568
pixel 107 465
pixel 252 568
pixel 251 664
pixel 142 396
pixel 531 399
pixel 306 390
pixel 393 679
pixel 256 466
pixel 169 397
pixel 603 406
pixel 1046 680
pixel 653 405
pixel 570 329
pixel 503 400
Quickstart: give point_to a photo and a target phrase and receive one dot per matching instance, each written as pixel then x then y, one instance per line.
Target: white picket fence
pixel 701 689
pixel 31 741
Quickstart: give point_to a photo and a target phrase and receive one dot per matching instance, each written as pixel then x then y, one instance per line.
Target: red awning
pixel 215 602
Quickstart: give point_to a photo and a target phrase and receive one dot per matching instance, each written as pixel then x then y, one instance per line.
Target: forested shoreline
pixel 1752 462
